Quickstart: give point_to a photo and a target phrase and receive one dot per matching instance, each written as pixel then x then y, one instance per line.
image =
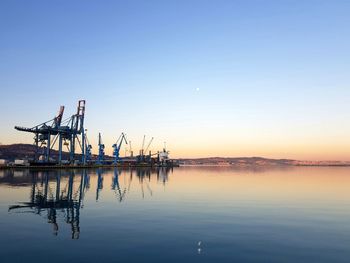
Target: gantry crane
pixel 69 131
pixel 117 146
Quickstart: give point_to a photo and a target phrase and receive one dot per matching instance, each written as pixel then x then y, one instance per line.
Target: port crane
pixel 148 157
pixel 70 131
pixel 141 157
pixel 149 144
pixel 117 147
pixel 143 145
pixel 101 150
pixel 88 149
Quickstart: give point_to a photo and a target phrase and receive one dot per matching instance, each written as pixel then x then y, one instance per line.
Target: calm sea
pixel 188 214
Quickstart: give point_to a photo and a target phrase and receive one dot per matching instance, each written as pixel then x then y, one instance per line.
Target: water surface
pixel 189 214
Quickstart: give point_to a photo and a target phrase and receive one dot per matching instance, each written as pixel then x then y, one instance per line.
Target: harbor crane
pixel 149 144
pixel 70 131
pixel 101 150
pixel 141 157
pixel 143 145
pixel 88 153
pixel 117 147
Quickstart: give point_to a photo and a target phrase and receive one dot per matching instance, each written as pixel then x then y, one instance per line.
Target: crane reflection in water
pixel 54 194
pixel 60 194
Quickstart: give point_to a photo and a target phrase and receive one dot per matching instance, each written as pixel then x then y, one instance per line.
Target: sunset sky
pixel 211 78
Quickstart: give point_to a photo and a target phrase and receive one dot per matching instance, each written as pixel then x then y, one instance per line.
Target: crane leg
pixel 48 148
pixel 60 149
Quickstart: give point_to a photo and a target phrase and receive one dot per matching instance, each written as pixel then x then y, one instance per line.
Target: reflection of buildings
pixel 60 193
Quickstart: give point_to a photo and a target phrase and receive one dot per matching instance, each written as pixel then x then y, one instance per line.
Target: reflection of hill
pixel 257 162
pixel 232 168
pixel 24 177
pixel 240 162
pixel 15 177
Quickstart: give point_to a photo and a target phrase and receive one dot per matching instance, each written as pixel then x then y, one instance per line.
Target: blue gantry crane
pixel 117 147
pixel 88 149
pixel 68 132
pixel 101 150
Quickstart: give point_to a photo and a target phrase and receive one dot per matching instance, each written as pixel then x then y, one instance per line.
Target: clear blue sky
pixel 211 78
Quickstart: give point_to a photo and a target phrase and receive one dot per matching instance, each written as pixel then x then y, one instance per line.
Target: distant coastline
pixel 25 151
pixel 256 161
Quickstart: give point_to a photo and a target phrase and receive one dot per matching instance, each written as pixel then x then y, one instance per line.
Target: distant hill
pixel 26 151
pixel 22 151
pixel 257 161
pixel 237 161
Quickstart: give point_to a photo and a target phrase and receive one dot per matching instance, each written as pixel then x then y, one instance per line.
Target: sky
pixel 211 78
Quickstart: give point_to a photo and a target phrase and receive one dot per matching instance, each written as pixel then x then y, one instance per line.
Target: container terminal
pixel 69 136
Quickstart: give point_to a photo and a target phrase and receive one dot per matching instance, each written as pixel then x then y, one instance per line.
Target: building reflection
pixel 58 194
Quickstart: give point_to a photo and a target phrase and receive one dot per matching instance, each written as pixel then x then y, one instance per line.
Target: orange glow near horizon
pixel 313 150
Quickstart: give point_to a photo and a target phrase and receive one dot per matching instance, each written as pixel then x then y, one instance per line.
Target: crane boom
pixel 143 144
pixel 149 144
pixel 117 146
pixel 121 141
